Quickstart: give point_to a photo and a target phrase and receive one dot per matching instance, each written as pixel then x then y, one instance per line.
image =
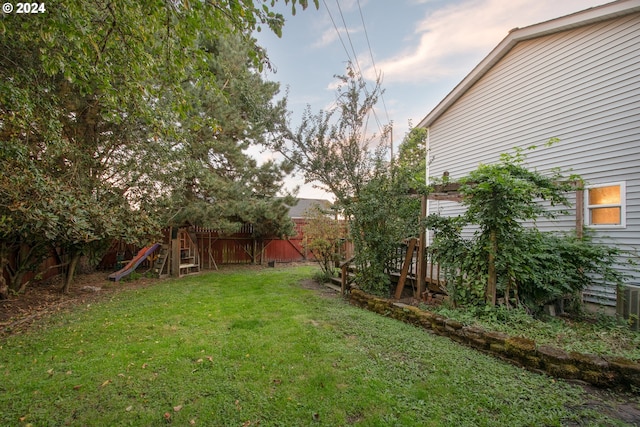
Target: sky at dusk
pixel 420 48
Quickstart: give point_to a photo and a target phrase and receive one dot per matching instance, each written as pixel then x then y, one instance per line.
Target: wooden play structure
pixel 183 253
pixel 176 256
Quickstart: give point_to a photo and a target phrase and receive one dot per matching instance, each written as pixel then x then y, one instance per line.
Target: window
pixel 605 205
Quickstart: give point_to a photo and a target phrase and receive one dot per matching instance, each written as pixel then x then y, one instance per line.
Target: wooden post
pixel 422 264
pixel 579 213
pixel 405 268
pixel 175 252
pixel 254 254
pixel 493 278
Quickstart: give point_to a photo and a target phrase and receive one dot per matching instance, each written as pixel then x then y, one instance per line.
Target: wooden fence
pixel 243 248
pixel 214 249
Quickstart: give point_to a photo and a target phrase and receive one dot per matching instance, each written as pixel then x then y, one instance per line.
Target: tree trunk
pixel 20 286
pixel 493 279
pixel 28 259
pixel 70 272
pixel 4 262
pixel 4 287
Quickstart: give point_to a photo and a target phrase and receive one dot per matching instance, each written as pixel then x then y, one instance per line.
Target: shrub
pixel 504 257
pixel 324 235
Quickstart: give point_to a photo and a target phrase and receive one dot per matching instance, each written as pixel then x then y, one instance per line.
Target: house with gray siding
pixel 575 78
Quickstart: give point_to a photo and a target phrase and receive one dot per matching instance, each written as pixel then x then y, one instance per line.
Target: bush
pixel 381 217
pixel 504 258
pixel 323 276
pixel 324 235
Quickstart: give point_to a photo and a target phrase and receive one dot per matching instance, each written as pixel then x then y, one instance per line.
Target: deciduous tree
pixel 324 234
pixel 334 149
pixel 94 94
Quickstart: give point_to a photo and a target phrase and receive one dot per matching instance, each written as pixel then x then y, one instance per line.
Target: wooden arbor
pixel 425 270
pixel 451 192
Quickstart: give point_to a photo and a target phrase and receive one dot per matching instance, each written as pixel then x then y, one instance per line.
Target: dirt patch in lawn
pixel 321 289
pixel 622 406
pixel 41 299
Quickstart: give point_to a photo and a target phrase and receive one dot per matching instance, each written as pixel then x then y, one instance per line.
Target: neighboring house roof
pixel 579 19
pixel 303 205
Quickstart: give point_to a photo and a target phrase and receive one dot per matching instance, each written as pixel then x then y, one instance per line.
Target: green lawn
pixel 253 347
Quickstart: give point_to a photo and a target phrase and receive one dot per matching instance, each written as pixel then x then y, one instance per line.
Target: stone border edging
pixel 590 368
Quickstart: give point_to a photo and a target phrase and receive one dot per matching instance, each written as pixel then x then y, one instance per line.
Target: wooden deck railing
pixel 405 267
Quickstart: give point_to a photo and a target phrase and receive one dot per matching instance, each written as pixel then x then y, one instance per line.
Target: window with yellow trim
pixel 605 205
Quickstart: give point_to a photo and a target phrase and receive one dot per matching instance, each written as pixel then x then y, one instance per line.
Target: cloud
pixel 445 40
pixel 334 26
pixel 330 36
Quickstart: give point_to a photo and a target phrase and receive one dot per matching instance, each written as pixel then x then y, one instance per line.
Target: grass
pixel 251 348
pixel 592 333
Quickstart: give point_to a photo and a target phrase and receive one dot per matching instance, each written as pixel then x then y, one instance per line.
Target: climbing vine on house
pixel 506 259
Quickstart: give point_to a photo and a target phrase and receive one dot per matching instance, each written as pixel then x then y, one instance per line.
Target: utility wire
pixel 346 30
pixel 352 61
pixel 373 62
pixel 337 30
pixel 357 63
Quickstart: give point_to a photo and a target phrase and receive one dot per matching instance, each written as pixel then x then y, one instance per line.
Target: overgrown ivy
pixel 508 259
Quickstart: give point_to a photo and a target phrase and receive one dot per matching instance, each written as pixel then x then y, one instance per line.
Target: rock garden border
pixel 593 369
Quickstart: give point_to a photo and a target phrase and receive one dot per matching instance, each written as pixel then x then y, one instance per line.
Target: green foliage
pixel 499 195
pixel 334 149
pixel 381 217
pixel 324 234
pixel 412 157
pixel 530 267
pixel 217 184
pixel 331 148
pixel 119 118
pixel 591 333
pixel 323 276
pixel 548 266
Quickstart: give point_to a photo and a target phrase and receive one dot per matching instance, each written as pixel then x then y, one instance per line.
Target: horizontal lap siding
pixel 581 86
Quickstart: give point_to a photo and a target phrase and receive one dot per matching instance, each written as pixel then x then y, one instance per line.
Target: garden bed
pixel 603 371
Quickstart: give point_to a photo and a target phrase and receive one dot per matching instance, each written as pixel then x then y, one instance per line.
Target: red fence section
pixel 242 248
pixel 214 250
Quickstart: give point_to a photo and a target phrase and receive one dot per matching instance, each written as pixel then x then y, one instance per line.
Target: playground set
pixel 177 256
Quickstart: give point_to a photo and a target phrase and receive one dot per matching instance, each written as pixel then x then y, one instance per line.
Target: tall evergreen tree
pixel 218 184
pixel 93 95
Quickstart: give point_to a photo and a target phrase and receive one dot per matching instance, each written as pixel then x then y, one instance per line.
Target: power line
pixel 346 30
pixel 337 31
pixel 355 61
pixel 373 62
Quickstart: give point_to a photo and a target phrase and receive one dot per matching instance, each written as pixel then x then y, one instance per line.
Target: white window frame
pixel 622 205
